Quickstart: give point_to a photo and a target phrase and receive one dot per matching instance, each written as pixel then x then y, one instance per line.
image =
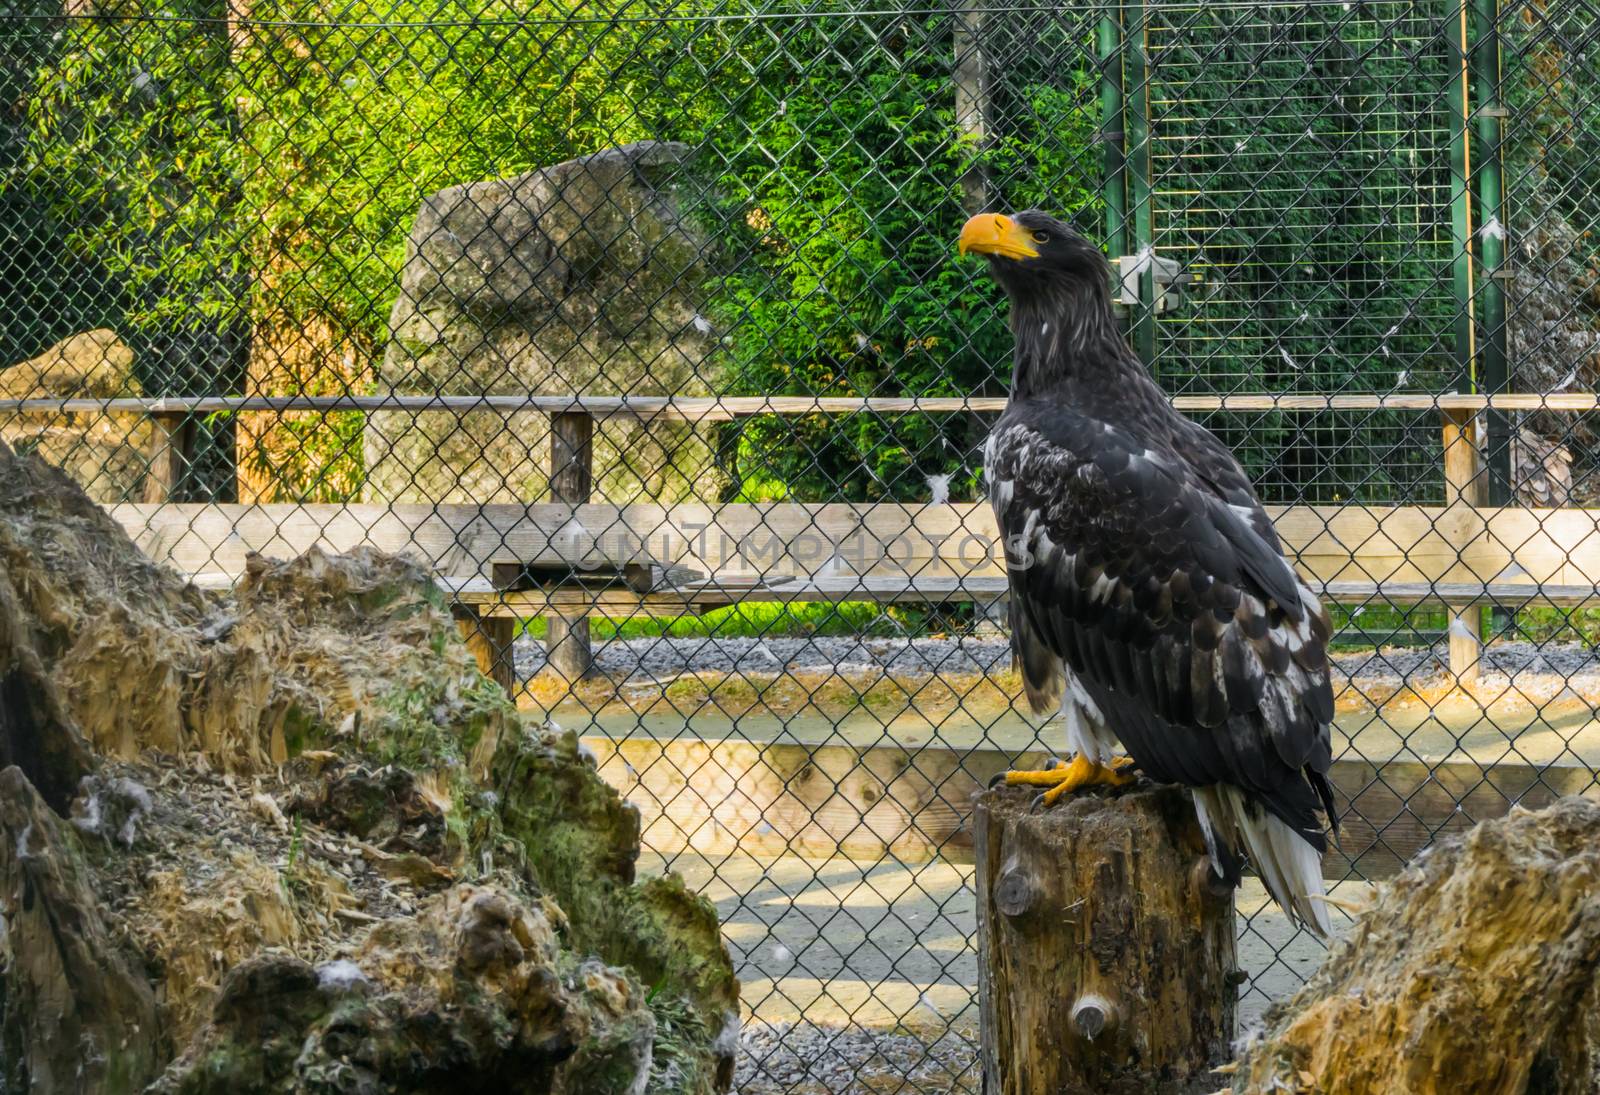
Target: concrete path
pixel 889 945
pixel 1455 728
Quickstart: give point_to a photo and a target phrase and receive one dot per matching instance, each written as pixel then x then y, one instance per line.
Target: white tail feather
pixel 1287 862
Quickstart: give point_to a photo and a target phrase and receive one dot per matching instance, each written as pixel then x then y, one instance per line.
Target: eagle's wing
pixel 1171 603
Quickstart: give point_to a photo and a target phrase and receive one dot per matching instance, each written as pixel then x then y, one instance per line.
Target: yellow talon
pixel 1047 778
pixel 1067 778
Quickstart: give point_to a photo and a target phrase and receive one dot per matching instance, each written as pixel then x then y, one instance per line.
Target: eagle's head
pixel 1032 253
pixel 1060 289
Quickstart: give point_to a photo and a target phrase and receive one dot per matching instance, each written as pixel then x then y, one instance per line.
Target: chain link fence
pixel 641 324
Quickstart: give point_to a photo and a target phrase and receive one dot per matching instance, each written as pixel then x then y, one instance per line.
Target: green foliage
pixel 48 293
pixel 274 167
pixel 349 126
pixel 851 287
pixel 135 149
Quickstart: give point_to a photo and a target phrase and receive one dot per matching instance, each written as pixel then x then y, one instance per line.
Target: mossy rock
pixel 582 841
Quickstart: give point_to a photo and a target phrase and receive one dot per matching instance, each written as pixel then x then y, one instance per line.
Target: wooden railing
pixel 1461 555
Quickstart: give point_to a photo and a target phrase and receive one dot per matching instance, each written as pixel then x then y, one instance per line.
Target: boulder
pixel 76 1013
pixel 106 454
pixel 487 1000
pixel 580 278
pixel 290 838
pixel 1473 970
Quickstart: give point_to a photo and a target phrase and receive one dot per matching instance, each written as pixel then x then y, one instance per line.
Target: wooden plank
pixel 719 796
pixel 1455 555
pixel 1462 484
pixel 1383 545
pixel 1559 546
pixel 776 539
pixel 724 408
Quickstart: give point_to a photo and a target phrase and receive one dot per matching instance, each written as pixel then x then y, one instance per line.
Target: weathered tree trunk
pixel 1474 970
pixel 1105 944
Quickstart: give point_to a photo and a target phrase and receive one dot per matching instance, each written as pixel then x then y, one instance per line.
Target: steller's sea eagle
pixel 1150 599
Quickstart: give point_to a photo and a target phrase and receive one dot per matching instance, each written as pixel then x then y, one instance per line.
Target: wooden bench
pixel 501 563
pixel 703 557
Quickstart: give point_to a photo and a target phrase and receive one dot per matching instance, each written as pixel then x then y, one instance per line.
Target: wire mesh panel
pixel 642 325
pixel 1300 167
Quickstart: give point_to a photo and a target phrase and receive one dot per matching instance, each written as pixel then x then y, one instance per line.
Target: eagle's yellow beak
pixel 997 234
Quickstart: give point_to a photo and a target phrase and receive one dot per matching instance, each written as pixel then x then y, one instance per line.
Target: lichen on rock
pixel 311 847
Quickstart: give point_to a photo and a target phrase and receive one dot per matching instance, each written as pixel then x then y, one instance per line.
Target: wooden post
pixel 1105 944
pixel 490 638
pixel 170 442
pixel 1463 485
pixel 571 479
pixel 971 79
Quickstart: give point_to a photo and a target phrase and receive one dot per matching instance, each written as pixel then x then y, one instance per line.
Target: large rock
pixel 358 867
pixel 107 455
pixel 75 1013
pixel 1474 970
pixel 581 278
pixel 473 993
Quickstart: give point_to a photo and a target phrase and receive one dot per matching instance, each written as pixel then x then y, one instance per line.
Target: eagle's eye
pixel 1041 237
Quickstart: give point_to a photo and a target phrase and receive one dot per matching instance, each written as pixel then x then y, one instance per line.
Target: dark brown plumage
pixel 1149 594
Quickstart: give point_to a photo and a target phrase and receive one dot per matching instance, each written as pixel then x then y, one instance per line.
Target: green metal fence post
pixel 1114 187
pixel 1489 193
pixel 1456 105
pixel 1137 112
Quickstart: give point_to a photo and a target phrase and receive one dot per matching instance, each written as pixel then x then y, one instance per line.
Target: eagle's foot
pixel 1063 779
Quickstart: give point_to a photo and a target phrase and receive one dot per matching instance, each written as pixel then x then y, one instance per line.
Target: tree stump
pixel 1105 944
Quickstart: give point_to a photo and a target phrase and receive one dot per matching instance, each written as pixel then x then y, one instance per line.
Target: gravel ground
pixel 810 1059
pixel 664 658
pixel 657 658
pixel 1566 660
